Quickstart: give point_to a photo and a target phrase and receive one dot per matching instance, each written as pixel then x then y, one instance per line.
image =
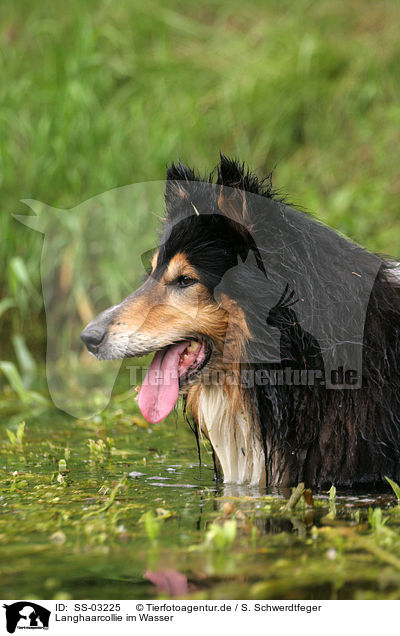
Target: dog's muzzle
pixel 92 337
pixel 94 334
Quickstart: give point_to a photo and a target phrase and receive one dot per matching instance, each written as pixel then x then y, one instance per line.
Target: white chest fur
pixel 237 446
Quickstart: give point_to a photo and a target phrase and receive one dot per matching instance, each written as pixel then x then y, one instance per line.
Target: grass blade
pixel 395 487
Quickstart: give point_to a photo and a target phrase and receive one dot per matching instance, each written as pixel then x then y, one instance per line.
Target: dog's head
pixel 175 313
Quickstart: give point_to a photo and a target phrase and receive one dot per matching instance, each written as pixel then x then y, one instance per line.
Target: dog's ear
pixel 179 187
pixel 237 184
pixel 232 174
pixel 179 172
pixel 233 181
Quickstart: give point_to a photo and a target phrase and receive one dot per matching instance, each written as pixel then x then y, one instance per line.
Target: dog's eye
pixel 185 281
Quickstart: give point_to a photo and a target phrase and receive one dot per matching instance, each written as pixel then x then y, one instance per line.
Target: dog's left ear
pixel 179 172
pixel 179 187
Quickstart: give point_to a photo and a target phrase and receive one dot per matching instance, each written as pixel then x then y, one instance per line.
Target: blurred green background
pixel 97 94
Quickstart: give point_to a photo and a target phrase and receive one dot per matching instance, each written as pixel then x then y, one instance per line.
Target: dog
pixel 237 268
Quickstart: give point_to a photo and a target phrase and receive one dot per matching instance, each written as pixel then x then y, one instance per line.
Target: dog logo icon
pixel 26 615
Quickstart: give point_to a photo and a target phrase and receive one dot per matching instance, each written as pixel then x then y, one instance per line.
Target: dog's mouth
pixel 193 359
pixel 171 368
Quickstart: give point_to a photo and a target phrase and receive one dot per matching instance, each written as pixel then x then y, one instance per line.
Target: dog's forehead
pixel 177 265
pixel 209 243
pixel 172 259
pixel 180 237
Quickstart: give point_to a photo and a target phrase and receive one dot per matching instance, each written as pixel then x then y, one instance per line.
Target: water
pixel 134 503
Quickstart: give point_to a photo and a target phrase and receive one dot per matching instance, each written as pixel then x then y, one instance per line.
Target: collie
pixel 282 337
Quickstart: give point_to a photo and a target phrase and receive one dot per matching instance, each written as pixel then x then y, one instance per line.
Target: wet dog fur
pixel 261 435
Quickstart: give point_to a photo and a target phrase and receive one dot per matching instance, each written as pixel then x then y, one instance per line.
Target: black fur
pixel 298 348
pixel 349 437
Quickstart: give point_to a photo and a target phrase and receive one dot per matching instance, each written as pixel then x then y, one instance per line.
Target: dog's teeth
pixel 194 346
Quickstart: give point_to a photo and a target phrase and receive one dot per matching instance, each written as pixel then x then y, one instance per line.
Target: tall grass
pixel 95 95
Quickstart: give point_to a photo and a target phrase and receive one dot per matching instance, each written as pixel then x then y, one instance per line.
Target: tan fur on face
pixel 179 266
pixel 159 314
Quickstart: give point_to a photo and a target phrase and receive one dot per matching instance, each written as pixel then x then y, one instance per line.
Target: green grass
pixel 96 95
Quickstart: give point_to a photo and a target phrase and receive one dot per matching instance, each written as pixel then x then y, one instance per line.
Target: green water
pixel 90 521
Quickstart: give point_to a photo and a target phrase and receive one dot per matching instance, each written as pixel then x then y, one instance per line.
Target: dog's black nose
pixel 92 337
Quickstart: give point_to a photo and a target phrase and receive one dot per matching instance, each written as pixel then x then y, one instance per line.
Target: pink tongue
pixel 160 388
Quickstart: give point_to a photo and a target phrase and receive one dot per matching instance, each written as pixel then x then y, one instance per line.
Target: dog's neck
pixel 237 445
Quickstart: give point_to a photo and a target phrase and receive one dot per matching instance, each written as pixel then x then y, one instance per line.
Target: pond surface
pixel 113 508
